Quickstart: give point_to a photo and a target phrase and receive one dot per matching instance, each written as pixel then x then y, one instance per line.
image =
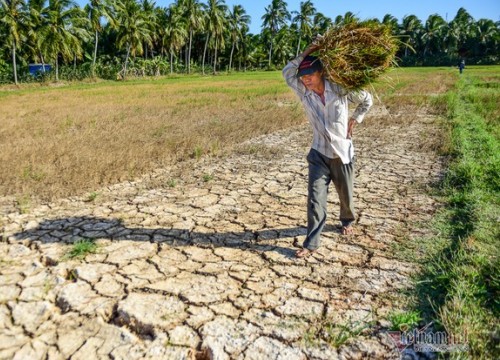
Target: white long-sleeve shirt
pixel 329 121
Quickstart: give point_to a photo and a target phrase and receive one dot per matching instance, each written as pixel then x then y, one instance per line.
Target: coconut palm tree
pixel 391 22
pixel 13 16
pixel 80 30
pixel 246 47
pixel 256 51
pixel 148 8
pixel 175 32
pixel 133 29
pixel 303 19
pixel 451 36
pixel 433 33
pixel 410 31
pixel 321 23
pixel 238 26
pixel 162 23
pixel 63 26
pixel 206 35
pixel 348 18
pixel 463 21
pixel 275 18
pixel 193 18
pixel 488 35
pixel 34 22
pixel 283 50
pixel 216 23
pixel 96 10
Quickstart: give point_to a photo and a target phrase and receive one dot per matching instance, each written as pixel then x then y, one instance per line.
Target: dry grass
pixel 73 139
pixel 354 55
pixel 68 140
pixel 414 90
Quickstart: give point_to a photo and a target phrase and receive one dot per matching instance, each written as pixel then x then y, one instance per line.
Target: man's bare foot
pixel 347 230
pixel 303 253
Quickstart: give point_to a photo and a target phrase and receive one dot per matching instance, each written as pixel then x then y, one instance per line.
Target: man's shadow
pixel 72 229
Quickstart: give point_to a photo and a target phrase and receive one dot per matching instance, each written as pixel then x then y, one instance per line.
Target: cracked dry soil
pixel 202 266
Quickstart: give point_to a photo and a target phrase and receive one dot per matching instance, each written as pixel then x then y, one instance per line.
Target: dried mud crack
pixel 197 261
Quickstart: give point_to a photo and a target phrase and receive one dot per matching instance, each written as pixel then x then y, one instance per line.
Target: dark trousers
pixel 322 171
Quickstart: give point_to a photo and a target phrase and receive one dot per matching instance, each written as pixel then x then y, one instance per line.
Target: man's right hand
pixel 310 49
pixel 350 128
pixel 317 39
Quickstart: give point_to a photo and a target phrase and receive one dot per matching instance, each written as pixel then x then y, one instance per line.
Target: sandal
pixel 347 230
pixel 303 253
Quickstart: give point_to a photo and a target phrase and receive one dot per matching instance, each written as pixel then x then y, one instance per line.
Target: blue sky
pixel 364 9
pixel 489 9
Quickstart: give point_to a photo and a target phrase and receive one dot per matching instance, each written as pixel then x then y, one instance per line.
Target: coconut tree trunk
pixel 43 62
pixel 189 51
pixel 126 62
pixel 204 54
pixel 231 57
pixel 171 62
pixel 14 64
pixel 95 53
pixel 215 57
pixel 298 46
pixel 270 52
pixel 57 68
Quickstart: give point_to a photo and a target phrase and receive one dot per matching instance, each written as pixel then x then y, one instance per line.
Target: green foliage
pixel 32 173
pixel 143 39
pixel 404 321
pixel 334 333
pixel 207 177
pixel 92 196
pixel 24 204
pixel 460 285
pixel 81 249
pixel 171 183
pixel 197 152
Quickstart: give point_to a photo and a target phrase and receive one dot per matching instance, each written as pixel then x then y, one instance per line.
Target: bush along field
pixel 459 289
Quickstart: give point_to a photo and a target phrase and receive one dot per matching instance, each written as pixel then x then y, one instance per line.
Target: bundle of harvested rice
pixel 355 54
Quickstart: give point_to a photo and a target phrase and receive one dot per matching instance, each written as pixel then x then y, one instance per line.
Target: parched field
pixel 159 219
pixel 71 139
pixel 64 140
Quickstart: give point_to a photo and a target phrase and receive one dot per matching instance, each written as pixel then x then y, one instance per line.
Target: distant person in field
pixel 461 66
pixel 331 157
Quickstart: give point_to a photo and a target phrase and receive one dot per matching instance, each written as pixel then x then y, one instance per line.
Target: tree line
pixel 114 39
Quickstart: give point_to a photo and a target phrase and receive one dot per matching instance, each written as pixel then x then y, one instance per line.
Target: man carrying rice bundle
pixel 331 157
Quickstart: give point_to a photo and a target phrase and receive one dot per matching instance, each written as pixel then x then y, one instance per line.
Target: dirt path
pixel 202 265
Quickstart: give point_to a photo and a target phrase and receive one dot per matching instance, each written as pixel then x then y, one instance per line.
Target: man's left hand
pixel 350 127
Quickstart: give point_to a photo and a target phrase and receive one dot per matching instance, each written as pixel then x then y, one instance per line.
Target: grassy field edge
pixel 459 288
